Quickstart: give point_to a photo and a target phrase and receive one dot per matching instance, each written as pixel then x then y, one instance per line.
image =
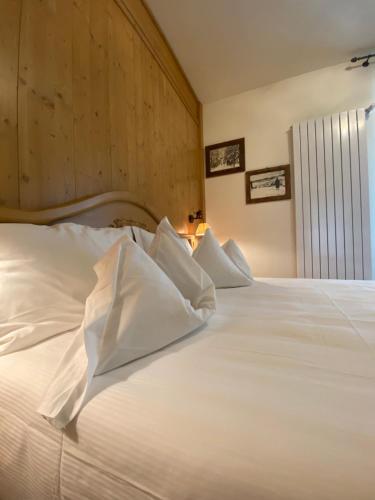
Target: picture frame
pixel 268 184
pixel 225 158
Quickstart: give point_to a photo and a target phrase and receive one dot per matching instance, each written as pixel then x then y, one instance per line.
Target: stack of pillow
pixel 226 264
pixel 158 275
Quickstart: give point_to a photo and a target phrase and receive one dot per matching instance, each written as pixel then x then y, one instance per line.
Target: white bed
pixel 274 400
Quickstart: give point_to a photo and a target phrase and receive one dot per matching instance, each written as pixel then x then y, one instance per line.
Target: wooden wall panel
pixel 122 87
pixel 10 16
pixel 102 105
pixel 45 115
pixel 139 15
pixel 92 147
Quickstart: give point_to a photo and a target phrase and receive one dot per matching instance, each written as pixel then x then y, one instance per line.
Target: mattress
pixel 273 400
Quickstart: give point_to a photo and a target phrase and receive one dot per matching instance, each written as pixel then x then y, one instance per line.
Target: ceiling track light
pixel 365 59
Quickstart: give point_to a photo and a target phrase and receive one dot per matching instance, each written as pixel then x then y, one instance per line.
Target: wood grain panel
pixel 9 39
pixel 121 54
pixel 146 26
pixel 45 104
pixel 92 147
pixel 102 105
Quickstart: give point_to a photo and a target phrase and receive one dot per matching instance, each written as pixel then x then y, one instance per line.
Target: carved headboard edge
pixel 75 208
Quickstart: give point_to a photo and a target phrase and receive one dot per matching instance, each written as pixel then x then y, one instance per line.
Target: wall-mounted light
pixel 195 216
pixel 365 59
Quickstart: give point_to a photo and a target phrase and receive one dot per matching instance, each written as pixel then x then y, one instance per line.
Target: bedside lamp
pixel 202 228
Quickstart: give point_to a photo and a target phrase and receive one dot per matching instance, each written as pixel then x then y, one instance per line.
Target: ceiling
pixel 230 46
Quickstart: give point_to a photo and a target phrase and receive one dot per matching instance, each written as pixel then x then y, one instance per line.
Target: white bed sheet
pixel 274 400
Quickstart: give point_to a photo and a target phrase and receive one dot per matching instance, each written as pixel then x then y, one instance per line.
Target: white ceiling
pixel 230 46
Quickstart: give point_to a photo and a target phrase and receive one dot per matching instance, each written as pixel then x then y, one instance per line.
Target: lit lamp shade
pixel 202 228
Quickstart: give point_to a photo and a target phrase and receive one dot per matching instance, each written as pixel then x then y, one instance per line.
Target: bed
pixel 273 400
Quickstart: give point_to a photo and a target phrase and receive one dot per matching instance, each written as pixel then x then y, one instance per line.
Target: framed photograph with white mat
pixel 268 184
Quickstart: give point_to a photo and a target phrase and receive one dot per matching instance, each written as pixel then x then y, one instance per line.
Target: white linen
pixel 165 227
pixel 187 246
pixel 169 252
pixel 45 276
pixel 274 400
pixel 225 264
pixel 235 254
pixel 143 238
pixel 134 310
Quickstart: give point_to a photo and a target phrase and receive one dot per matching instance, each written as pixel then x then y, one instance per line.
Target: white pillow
pixel 134 310
pixel 166 227
pixel 187 246
pixel 143 238
pixel 237 257
pixel 45 276
pixel 226 265
pixel 169 252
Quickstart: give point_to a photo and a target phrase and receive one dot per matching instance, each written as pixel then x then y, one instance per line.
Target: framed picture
pixel 268 184
pixel 225 158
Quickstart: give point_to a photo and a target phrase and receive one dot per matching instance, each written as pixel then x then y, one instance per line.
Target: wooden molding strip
pixel 146 26
pixel 51 215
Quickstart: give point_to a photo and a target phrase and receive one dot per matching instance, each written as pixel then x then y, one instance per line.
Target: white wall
pixel 266 231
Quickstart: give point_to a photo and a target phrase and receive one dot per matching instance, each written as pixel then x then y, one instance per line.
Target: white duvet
pixel 274 400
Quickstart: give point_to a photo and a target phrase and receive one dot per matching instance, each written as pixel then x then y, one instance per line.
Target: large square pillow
pixel 134 310
pixel 226 265
pixel 46 274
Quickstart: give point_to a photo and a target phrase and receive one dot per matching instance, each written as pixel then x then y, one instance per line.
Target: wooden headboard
pixel 115 208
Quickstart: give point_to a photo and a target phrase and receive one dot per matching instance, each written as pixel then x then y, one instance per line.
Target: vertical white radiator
pixel 332 197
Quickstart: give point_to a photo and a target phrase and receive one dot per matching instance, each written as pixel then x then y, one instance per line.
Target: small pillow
pixel 237 257
pixel 143 238
pixel 166 227
pixel 186 246
pixel 169 252
pixel 225 265
pixel 134 310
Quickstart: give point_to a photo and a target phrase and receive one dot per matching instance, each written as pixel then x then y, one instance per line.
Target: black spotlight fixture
pixel 195 216
pixel 365 59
